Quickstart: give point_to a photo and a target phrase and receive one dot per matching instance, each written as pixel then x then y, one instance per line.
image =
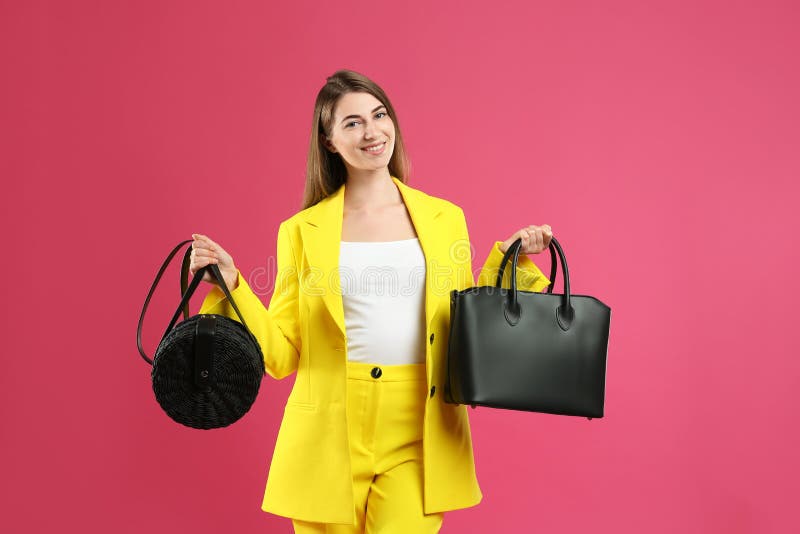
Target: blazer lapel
pixel 322 236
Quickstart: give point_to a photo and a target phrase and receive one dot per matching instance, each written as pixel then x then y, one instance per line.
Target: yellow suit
pixel 303 330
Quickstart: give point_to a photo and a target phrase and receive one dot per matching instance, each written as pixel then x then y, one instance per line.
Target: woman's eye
pixel 378 115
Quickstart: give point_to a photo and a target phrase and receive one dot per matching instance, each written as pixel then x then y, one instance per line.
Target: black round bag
pixel 206 370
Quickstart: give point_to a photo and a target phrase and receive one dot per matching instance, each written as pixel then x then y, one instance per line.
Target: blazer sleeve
pixel 277 328
pixel 529 276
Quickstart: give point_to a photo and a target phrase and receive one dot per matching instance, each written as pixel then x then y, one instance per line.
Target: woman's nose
pixel 369 130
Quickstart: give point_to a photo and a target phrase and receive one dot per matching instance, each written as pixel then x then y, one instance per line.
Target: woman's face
pixel 360 121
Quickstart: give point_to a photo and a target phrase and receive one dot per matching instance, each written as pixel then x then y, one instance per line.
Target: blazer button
pixel 376 372
pixel 433 390
pixel 431 339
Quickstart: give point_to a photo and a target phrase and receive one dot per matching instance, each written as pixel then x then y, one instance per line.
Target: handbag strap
pixel 553 266
pixel 186 292
pixel 565 312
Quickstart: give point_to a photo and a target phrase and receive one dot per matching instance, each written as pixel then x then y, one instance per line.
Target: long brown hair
pixel 325 171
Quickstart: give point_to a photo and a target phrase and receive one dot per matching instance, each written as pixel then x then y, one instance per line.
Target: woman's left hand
pixel 534 239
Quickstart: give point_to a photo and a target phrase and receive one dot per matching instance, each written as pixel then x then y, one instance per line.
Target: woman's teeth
pixel 377 148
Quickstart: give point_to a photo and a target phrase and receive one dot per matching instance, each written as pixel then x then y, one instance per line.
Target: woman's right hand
pixel 204 252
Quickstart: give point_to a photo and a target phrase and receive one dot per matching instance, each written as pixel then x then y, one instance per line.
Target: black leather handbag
pixel 207 370
pixel 530 351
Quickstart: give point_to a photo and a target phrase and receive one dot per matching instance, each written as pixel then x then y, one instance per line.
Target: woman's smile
pixel 375 149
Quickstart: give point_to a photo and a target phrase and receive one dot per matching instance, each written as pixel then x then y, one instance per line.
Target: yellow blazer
pixel 303 330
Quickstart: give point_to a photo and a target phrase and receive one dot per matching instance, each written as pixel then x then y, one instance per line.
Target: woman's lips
pixel 376 151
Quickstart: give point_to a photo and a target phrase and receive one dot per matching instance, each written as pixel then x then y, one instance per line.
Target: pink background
pixel 658 139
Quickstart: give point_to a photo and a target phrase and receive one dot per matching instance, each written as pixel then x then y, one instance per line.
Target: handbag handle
pixel 553 269
pixel 565 313
pixel 186 292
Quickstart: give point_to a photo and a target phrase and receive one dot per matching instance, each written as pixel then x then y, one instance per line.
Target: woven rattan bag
pixel 207 369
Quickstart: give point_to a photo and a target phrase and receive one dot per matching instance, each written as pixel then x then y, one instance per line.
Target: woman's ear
pixel 328 144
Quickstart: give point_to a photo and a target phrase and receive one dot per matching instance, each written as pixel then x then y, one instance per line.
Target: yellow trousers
pixel 385 404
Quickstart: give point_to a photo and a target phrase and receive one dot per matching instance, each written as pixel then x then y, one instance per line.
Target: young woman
pixel 360 311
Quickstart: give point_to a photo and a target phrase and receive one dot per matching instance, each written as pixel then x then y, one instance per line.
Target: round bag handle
pixel 186 293
pixel 565 312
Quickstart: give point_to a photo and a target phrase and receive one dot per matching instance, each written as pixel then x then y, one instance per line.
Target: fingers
pixel 202 241
pixel 535 238
pixel 548 235
pixel 206 255
pixel 525 240
pixel 204 252
pixel 196 263
pixel 528 240
pixel 204 245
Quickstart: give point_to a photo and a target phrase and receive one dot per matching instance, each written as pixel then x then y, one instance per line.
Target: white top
pixel 383 294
